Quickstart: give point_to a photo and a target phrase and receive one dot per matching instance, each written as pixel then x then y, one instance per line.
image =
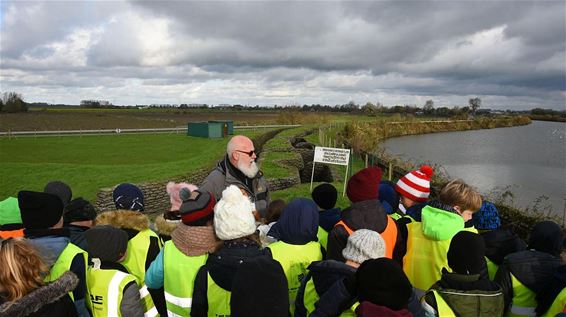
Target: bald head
pixel 241 153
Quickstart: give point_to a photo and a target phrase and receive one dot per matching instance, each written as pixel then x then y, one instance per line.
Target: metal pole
pixel 312 174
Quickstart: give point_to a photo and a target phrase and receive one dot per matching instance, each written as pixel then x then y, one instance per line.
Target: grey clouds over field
pixel 512 54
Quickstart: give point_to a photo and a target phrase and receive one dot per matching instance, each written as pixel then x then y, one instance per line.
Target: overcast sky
pixel 511 54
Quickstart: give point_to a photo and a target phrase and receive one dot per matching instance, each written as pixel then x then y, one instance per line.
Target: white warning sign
pixel 331 155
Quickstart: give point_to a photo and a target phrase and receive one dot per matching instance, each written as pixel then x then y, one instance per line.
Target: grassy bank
pixel 88 163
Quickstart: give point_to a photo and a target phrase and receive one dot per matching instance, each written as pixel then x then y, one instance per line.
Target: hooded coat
pixel 50 300
pixel 547 296
pixel 367 214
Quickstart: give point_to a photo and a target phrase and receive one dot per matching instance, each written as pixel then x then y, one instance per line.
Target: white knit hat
pixel 364 244
pixel 233 215
pixel 416 184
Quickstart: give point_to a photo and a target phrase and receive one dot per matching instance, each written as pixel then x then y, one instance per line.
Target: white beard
pixel 249 170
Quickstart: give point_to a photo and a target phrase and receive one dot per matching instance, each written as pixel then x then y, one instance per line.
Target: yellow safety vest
pixel 63 263
pixel 218 299
pixel 295 259
pixel 105 289
pixel 311 297
pixel 557 306
pixel 491 269
pixel 524 300
pixel 137 253
pixel 322 236
pixel 179 291
pixel 425 258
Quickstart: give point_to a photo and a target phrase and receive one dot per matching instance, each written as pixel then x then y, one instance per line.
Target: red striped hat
pixel 416 184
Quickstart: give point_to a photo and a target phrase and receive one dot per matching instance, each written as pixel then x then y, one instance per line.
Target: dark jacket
pixel 466 295
pixel 50 300
pixel 77 235
pixel 368 214
pixel 368 309
pixel 222 267
pixel 416 211
pixel 547 296
pixel 328 218
pixel 534 269
pixel 324 274
pixel 51 243
pixel 225 174
pixel 501 242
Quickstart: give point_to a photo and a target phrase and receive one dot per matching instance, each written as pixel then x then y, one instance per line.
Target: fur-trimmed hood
pixel 123 219
pixel 40 297
pixel 165 227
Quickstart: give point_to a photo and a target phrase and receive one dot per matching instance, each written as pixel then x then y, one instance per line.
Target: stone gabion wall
pixel 155 196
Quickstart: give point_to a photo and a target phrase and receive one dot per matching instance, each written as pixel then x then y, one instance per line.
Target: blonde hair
pixel 22 269
pixel 458 193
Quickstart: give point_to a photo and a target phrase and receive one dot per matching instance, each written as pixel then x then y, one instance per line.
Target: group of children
pixel 392 252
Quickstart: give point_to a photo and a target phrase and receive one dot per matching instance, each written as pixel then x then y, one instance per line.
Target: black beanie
pixel 546 236
pixel 325 196
pixel 39 210
pixel 383 282
pixel 106 243
pixel 260 289
pixel 60 189
pixel 466 253
pixel 79 210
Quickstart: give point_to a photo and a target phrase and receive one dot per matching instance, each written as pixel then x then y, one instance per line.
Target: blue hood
pixel 50 247
pixel 328 218
pixel 298 223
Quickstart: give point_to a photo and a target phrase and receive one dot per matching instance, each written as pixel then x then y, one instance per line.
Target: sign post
pixel 331 155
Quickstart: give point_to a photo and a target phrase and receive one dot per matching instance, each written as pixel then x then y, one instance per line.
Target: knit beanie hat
pixel 416 184
pixel 106 243
pixel 60 189
pixel 546 236
pixel 364 184
pixel 10 212
pixel 173 191
pixel 39 210
pixel 383 282
pixel 197 207
pixel 325 196
pixel 364 244
pixel 260 289
pixel 487 218
pixel 79 209
pixel 233 215
pixel 128 196
pixel 466 253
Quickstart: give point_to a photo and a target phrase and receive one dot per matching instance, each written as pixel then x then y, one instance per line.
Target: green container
pixel 229 125
pixel 205 129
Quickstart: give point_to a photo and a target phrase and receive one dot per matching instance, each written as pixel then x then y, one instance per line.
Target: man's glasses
pixel 250 153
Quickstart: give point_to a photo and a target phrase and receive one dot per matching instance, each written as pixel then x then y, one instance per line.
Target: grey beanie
pixel 106 243
pixel 364 244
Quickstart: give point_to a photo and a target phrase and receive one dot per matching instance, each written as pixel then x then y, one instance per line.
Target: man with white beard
pixel 239 168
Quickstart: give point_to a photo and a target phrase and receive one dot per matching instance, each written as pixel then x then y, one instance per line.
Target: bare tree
pixel 475 103
pixel 428 107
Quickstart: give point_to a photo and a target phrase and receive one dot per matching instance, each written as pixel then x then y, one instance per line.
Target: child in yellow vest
pixel 111 289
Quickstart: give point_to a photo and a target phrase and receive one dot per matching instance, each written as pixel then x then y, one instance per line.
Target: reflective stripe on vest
pixel 179 292
pixel 557 306
pixel 137 254
pixel 425 258
pixel 322 236
pixel 295 259
pixel 389 235
pixel 442 306
pixel 147 301
pixel 105 291
pixel 64 261
pixel 218 299
pixel 524 300
pixel 311 297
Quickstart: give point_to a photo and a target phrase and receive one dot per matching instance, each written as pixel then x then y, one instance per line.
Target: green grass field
pixel 88 163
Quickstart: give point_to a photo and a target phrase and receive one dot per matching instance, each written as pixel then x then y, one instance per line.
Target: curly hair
pixel 22 269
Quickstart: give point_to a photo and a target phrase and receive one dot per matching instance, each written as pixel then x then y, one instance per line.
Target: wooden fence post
pixel 390 170
pixel 366 160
